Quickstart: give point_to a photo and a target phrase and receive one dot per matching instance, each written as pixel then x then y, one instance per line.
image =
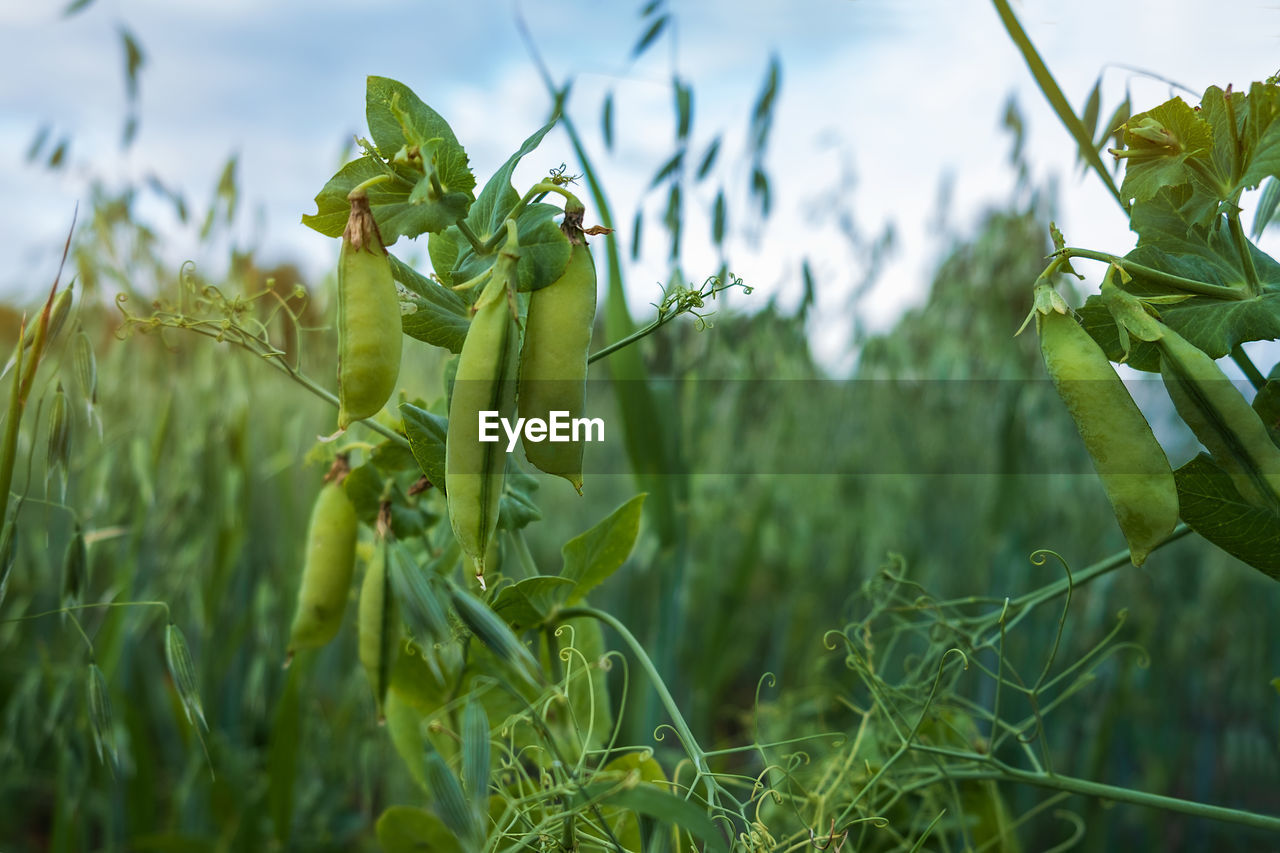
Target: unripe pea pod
pixel 1221 419
pixel 485 381
pixel 378 626
pixel 1130 462
pixel 369 328
pixel 553 360
pixel 330 562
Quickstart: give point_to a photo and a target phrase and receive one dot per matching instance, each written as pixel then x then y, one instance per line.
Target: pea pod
pixel 553 360
pixel 485 381
pixel 330 562
pixel 1221 419
pixel 369 329
pixel 1130 462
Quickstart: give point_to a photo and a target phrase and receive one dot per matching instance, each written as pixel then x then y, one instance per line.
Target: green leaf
pixel 442 248
pixel 1089 117
pixel 392 457
pixel 544 250
pixel 606 121
pixel 426 433
pixel 592 556
pixel 1172 146
pixel 498 196
pixel 403 829
pixel 398 118
pixel 1214 509
pixel 1266 209
pixel 1169 244
pixel 709 158
pixel 438 317
pixel 366 485
pixel 517 508
pixel 651 34
pixel 389 201
pixel 684 109
pixel 282 754
pixel 664 807
pixel 1260 136
pixel 1266 403
pixel 531 602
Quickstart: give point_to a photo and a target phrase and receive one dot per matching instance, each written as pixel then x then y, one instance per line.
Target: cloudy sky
pixel 881 100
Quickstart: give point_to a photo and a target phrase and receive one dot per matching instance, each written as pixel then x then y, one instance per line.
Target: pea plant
pixel 512 738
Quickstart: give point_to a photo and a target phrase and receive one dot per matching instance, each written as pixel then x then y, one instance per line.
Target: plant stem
pixel 1177 282
pixel 642 657
pixel 1242 248
pixel 1053 93
pixel 476 242
pixel 523 555
pixel 1115 793
pixel 629 339
pixel 1251 371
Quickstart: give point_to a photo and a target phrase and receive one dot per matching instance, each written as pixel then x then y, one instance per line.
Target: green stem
pixel 9 450
pixel 359 189
pixel 303 380
pixel 1251 371
pixel 573 205
pixel 1101 791
pixel 523 554
pixel 1026 603
pixel 476 243
pixel 1242 248
pixel 1177 282
pixel 93 606
pixel 630 339
pixel 695 752
pixel 1053 93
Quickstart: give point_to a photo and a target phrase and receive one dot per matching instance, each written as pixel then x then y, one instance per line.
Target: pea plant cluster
pixel 507 738
pixel 1193 290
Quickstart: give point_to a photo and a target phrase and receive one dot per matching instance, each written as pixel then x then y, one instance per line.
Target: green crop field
pixel 265 584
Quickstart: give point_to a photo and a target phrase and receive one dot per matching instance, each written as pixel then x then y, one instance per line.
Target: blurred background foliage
pixel 196 494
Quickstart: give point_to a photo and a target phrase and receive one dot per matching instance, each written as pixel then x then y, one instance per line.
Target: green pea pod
pixel 330 563
pixel 1221 419
pixel 378 626
pixel 369 329
pixel 485 381
pixel 553 360
pixel 1129 461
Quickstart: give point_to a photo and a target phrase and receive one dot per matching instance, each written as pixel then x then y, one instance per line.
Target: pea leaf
pixel 532 601
pixel 365 486
pixel 498 196
pixel 1260 135
pixel 442 248
pixel 437 315
pixel 1214 509
pixel 1169 243
pixel 426 433
pixel 596 554
pixel 398 118
pixel 404 829
pixel 1172 146
pixel 389 201
pixel 517 508
pixel 407 205
pixel 666 807
pixel 544 250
